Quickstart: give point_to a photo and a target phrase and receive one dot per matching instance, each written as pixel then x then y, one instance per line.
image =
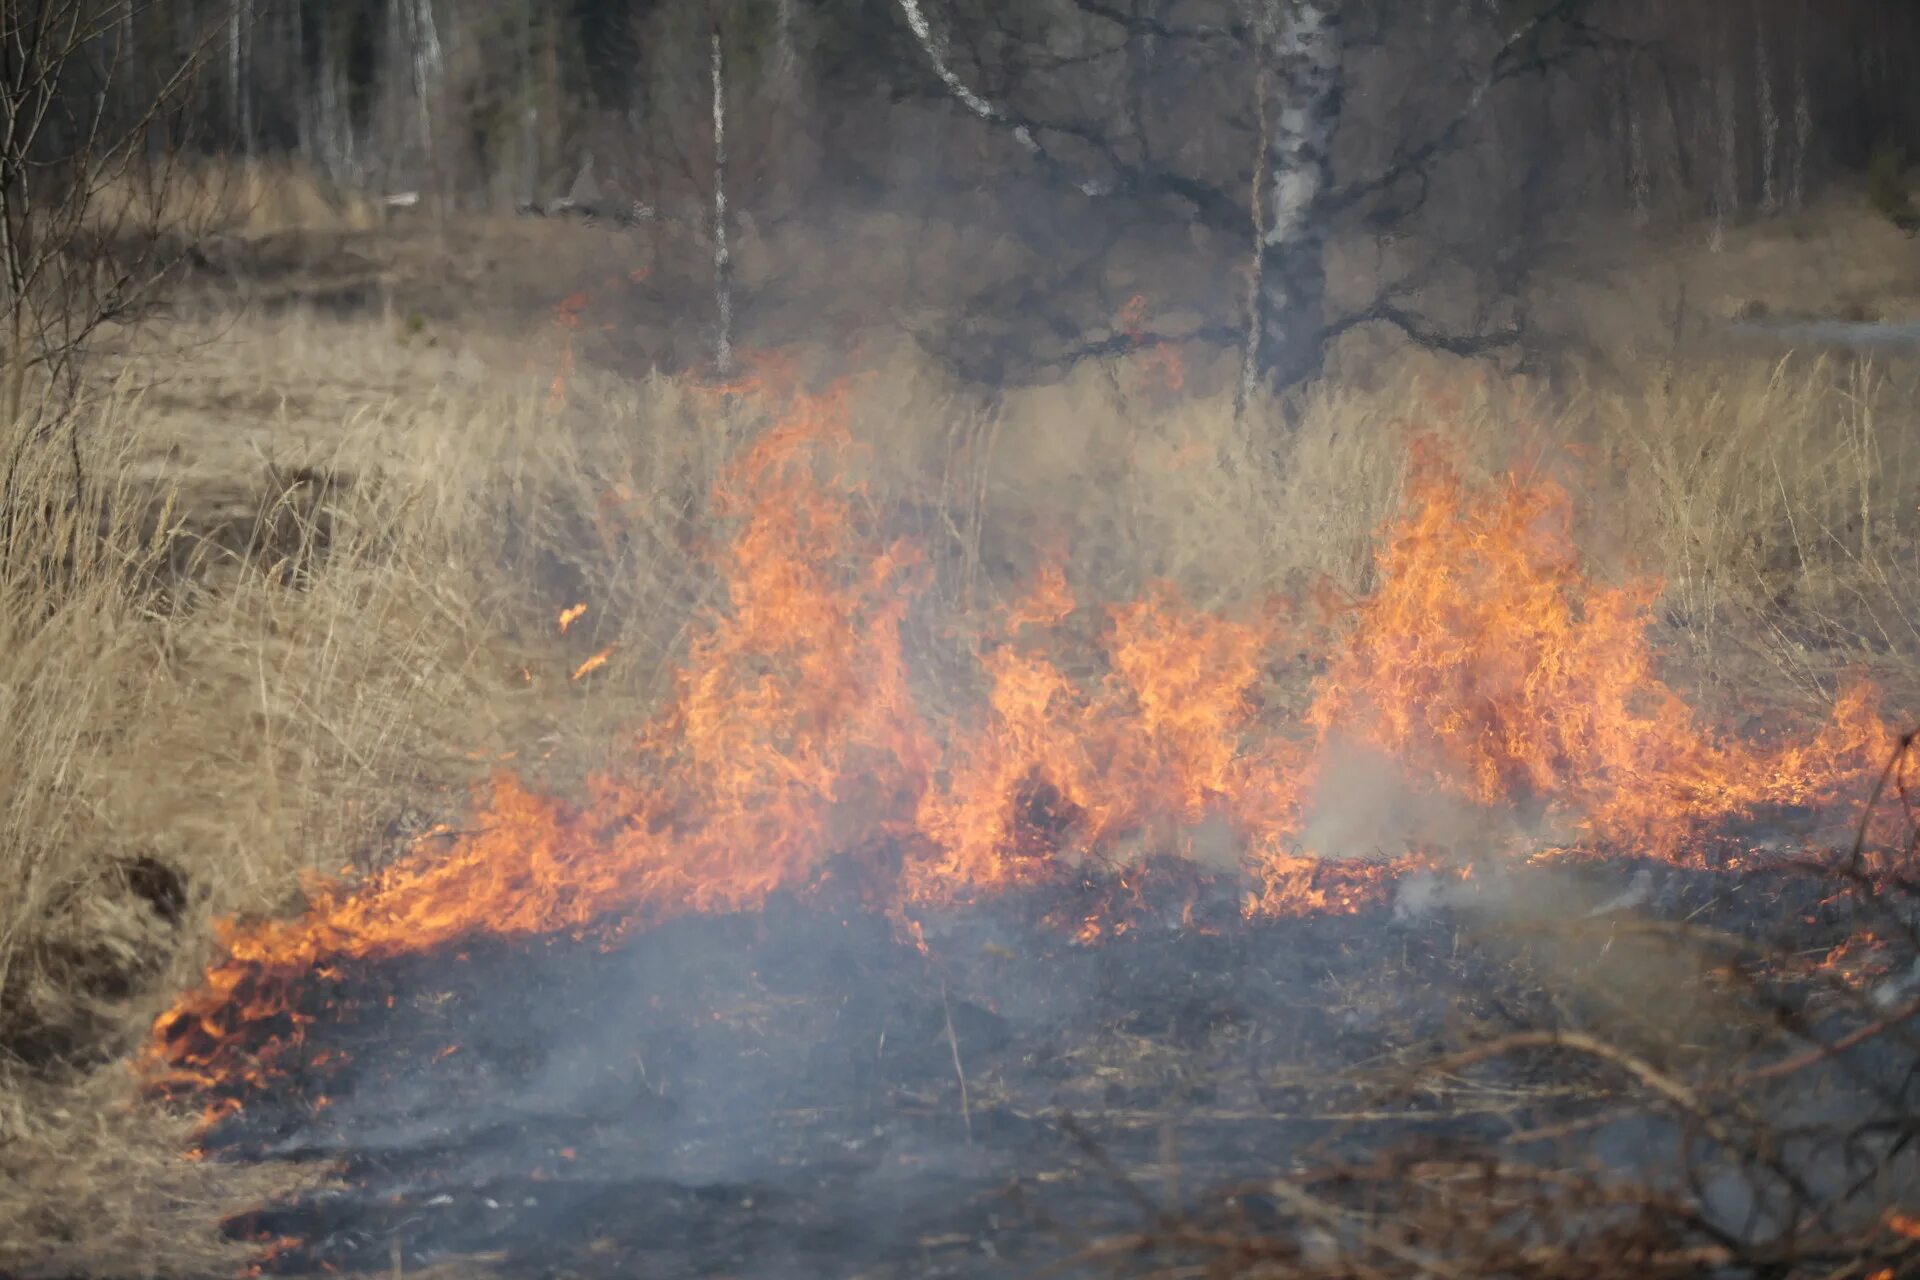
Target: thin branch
pixel 1504 65
pixel 1821 1053
pixel 1386 311
pixel 1215 206
pixel 1147 25
pixel 934 45
pixel 953 1043
pixel 1578 1042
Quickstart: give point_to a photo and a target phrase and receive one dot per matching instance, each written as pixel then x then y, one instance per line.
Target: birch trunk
pixel 1301 55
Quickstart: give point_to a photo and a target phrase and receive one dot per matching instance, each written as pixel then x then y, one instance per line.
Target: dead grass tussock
pixel 226 197
pixel 290 653
pixel 94 1181
pixel 1780 500
pixel 308 662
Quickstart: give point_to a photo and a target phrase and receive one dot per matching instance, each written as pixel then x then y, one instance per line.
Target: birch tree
pixel 1296 201
pixel 1297 43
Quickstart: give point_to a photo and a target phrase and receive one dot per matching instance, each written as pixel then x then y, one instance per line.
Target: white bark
pixel 1300 47
pixel 423 39
pixel 1250 347
pixel 786 58
pixel 428 58
pixel 247 129
pixel 235 112
pixel 934 45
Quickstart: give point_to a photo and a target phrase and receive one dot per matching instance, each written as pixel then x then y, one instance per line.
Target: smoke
pixel 1367 804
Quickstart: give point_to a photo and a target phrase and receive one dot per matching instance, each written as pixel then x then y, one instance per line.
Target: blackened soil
pixel 803 1092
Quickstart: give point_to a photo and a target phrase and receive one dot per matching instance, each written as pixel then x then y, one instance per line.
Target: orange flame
pixel 570 615
pixel 1490 665
pixel 593 664
pixel 791 744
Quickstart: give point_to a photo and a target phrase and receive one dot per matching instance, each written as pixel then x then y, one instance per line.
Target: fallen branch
pixel 953 1043
pixel 1578 1042
pixel 1820 1053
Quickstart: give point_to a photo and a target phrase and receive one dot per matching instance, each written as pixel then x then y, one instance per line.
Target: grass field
pixel 337 497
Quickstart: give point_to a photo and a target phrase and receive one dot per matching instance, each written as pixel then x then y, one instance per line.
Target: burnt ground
pixel 798 1092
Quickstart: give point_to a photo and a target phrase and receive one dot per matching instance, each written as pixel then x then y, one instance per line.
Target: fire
pixel 792 747
pixel 570 615
pixel 593 663
pixel 1490 665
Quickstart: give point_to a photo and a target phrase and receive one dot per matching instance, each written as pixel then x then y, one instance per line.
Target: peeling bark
pixel 1299 45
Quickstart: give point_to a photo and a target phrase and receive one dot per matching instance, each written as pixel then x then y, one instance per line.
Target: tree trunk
pixel 1769 121
pixel 722 260
pixel 1299 44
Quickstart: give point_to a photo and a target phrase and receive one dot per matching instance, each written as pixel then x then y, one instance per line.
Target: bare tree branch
pixel 1215 206
pixel 1517 55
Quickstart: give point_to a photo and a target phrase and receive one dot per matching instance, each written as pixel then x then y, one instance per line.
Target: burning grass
pixel 1775 1138
pixel 1486 667
pixel 928 660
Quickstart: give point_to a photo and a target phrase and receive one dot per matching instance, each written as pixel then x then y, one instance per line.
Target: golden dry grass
pixel 310 598
pixel 267 195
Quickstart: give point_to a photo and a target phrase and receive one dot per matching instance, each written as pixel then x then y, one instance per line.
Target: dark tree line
pixel 1280 126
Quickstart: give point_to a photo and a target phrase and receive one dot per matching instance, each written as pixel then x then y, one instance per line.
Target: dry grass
pixel 94 1182
pixel 274 658
pixel 309 599
pixel 1782 504
pixel 265 196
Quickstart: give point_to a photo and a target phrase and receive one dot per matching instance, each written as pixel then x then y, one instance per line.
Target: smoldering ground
pixel 802 1092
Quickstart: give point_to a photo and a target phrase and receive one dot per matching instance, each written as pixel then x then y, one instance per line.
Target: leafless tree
pixel 1299 51
pixel 91 215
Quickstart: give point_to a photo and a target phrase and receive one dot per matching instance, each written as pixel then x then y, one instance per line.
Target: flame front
pixel 792 747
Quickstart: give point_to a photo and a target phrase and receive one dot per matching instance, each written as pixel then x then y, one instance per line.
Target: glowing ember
pixel 1486 667
pixel 570 615
pixel 593 664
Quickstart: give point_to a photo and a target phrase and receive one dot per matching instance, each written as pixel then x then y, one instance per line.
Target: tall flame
pixel 1490 664
pixel 1486 664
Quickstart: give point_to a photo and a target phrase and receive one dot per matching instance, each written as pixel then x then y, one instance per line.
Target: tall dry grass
pixel 239 660
pixel 216 197
pixel 242 667
pixel 217 679
pixel 309 598
pixel 1775 499
pixel 1780 503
